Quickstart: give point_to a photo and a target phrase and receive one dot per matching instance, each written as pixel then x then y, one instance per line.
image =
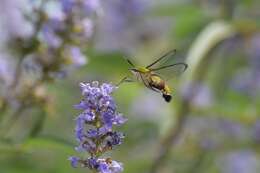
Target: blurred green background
pixel 218 94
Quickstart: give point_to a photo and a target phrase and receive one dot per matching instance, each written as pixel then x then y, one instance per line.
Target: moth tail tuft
pixel 167 97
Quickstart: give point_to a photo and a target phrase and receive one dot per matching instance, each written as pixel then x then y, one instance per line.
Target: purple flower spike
pixel 92 133
pixel 116 167
pixel 119 120
pixel 67 5
pixel 74 161
pixel 104 168
pixel 81 106
pixel 94 127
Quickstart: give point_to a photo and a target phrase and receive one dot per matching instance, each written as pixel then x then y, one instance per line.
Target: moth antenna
pixel 130 62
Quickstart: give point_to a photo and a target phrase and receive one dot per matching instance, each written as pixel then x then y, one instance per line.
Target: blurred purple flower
pixel 247 80
pixel 64 29
pixel 219 132
pixel 242 81
pixel 7 65
pixel 203 97
pixel 125 25
pixel 13 23
pixel 86 26
pixel 207 143
pixel 91 6
pixel 254 51
pixel 255 61
pixel 86 6
pixel 230 128
pixel 239 162
pixel 49 33
pixel 100 114
pixel 67 5
pixel 77 57
pixel 199 94
pixel 256 131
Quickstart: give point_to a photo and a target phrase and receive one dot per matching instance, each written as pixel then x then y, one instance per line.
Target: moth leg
pixel 154 89
pixel 148 85
pixel 125 79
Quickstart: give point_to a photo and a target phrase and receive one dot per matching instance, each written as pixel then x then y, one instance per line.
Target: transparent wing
pixel 168 72
pixel 163 59
pixel 169 65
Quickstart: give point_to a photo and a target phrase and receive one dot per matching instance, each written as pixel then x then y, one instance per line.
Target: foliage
pixel 212 122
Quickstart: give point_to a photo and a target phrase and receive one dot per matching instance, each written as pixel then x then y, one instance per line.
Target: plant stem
pixel 199 61
pixel 13 118
pixel 37 127
pixel 171 138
